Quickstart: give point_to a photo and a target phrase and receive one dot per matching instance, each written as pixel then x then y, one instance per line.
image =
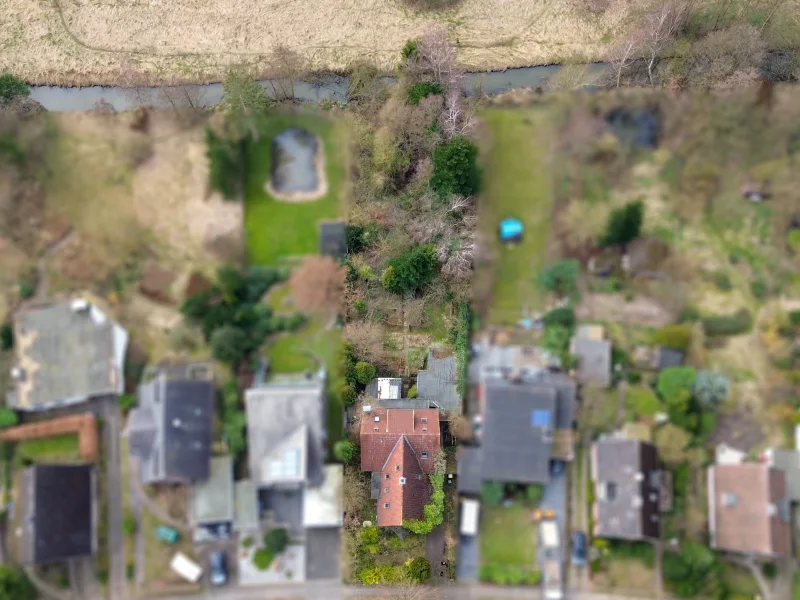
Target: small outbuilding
pixel 332 239
pixel 511 230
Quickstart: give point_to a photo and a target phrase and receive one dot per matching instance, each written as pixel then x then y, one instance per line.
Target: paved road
pixel 336 591
pixel 112 430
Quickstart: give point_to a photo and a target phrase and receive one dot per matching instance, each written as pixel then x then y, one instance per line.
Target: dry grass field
pixel 81 42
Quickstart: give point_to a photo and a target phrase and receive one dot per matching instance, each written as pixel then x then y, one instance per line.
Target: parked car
pixel 578 549
pixel 556 468
pixel 218 568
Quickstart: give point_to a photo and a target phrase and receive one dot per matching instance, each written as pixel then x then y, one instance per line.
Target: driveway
pixel 112 430
pixel 434 552
pixel 323 549
pixel 468 558
pixel 555 499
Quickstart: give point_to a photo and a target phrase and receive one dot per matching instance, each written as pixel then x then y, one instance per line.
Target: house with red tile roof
pixel 399 447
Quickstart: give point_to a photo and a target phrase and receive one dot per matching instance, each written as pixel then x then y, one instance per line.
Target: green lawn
pixel 517 183
pixel 278 230
pixel 739 581
pixel 58 448
pixel 507 536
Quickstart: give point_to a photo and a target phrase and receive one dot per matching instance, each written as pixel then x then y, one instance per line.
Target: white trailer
pixel 186 567
pixel 470 512
pixel 549 533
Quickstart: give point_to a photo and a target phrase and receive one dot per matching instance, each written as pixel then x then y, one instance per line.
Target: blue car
pixel 578 549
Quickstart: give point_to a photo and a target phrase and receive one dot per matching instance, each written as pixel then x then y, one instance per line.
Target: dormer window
pixel 397 468
pixel 388 476
pixel 375 429
pixel 386 505
pixel 424 430
pixel 385 490
pixel 424 455
pixel 424 420
pixel 402 481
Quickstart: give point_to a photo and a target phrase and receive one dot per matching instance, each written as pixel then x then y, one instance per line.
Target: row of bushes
pixel 460 341
pixel 433 512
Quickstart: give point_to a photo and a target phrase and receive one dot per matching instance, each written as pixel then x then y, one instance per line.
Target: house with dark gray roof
pixel 54 514
pixel 66 353
pixel 627 478
pixel 438 383
pixel 287 445
pixel 170 431
pixel 525 417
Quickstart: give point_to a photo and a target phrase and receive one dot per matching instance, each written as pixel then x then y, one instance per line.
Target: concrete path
pixel 112 429
pixel 434 552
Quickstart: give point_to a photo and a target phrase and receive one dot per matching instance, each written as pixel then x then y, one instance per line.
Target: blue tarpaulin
pixel 540 418
pixel 510 230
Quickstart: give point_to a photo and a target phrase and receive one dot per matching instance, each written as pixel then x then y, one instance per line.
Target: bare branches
pixel 286 67
pixel 659 30
pixel 457 119
pixel 623 54
pixel 439 57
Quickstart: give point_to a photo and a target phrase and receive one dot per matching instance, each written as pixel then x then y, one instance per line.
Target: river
pixel 331 87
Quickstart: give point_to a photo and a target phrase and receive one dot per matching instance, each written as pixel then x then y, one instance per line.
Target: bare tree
pixel 242 99
pixel 367 339
pixel 457 118
pixel 727 58
pixel 622 55
pixel 438 56
pixel 318 284
pixel 133 80
pixel 413 591
pixel 460 428
pixel 286 68
pixel 659 30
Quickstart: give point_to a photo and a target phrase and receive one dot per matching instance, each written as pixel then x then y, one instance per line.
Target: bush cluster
pixel 410 272
pixel 421 90
pixel 734 324
pixel 455 168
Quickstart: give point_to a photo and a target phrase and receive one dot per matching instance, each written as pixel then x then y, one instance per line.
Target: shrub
pixel 563 316
pixel 6 337
pixel 534 493
pixel 129 524
pixel 642 401
pixel 348 394
pixel 688 314
pixel 26 289
pixel 735 324
pixel 675 382
pixel 759 289
pixel 561 277
pixel 262 559
pixel 624 224
pixel 8 418
pixel 722 282
pixel 226 164
pixel 409 49
pixel 360 307
pixel 418 91
pixel 508 574
pixel 248 542
pixel 15 585
pixel 386 574
pixel 418 569
pixel 276 540
pixel 11 87
pixel 411 271
pixel 364 372
pixel 794 317
pixel 229 344
pixel 455 170
pixel 492 492
pixel 344 450
pixel 126 402
pixel 687 573
pixel 711 388
pixel 677 337
pixel 412 391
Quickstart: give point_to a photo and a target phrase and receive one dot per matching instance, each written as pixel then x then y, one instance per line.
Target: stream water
pixel 333 88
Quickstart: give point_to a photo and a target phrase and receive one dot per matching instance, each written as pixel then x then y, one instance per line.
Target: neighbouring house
pixel 628 480
pixel 170 431
pixel 66 353
pixel 55 515
pixel 400 447
pixel 748 509
pixel 438 383
pixel 212 502
pixel 287 445
pixel 332 239
pixel 525 423
pixel 388 393
pixel 788 461
pixel 594 355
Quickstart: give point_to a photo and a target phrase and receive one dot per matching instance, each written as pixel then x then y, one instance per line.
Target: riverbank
pixel 332 88
pixel 90 42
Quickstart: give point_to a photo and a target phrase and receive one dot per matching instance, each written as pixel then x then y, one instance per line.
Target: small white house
pixel 470 512
pixel 186 567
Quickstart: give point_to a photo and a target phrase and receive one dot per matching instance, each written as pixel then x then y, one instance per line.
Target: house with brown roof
pixel 399 447
pixel 748 509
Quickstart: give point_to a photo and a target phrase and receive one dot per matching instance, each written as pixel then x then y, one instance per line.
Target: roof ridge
pixel 391 452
